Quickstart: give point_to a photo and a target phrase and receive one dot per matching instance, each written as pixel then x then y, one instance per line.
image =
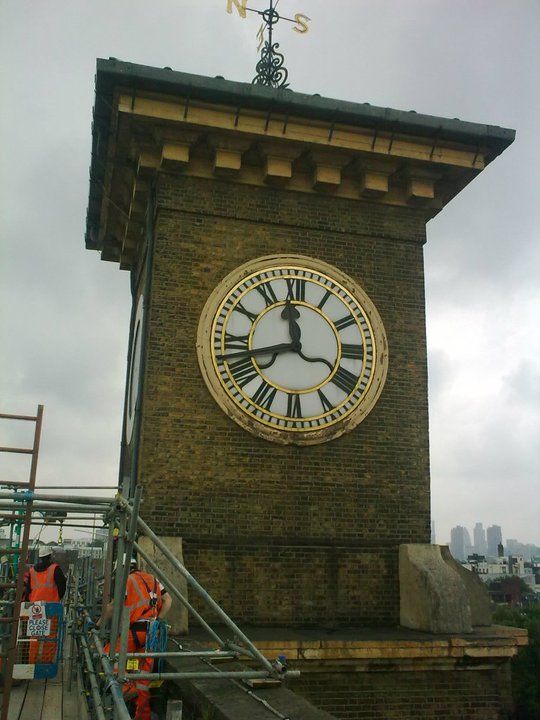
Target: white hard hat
pixel 44 551
pixel 132 563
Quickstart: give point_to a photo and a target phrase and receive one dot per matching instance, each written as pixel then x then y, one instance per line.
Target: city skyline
pixel 486 541
pixel 441 538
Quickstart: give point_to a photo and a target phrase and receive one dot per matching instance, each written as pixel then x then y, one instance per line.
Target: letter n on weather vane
pixel 270 69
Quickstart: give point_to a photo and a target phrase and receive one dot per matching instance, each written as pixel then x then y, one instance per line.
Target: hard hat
pixel 132 563
pixel 44 551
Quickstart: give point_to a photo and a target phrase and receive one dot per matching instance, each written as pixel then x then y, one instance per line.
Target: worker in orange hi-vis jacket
pixel 147 600
pixel 44 582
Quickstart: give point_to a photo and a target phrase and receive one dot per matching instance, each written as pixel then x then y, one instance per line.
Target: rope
pixel 156 640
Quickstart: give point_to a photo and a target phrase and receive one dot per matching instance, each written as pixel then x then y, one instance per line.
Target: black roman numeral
pixel 344 322
pixel 354 352
pixel 294 407
pixel 325 402
pixel 296 289
pixel 265 395
pixel 345 380
pixel 267 291
pixel 324 299
pixel 241 309
pixel 236 342
pixel 243 371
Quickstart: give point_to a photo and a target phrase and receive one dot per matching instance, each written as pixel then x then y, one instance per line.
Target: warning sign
pixel 38 627
pixel 36 611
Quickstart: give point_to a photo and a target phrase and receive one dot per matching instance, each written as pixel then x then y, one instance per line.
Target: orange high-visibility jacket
pixel 143 596
pixel 42 585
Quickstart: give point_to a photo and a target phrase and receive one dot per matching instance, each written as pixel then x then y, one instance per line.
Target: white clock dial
pixel 294 349
pixel 134 370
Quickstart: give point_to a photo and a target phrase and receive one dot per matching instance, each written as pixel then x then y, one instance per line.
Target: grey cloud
pixel 65 336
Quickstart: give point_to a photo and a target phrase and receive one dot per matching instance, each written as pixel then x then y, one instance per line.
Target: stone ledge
pixel 368 645
pixel 226 700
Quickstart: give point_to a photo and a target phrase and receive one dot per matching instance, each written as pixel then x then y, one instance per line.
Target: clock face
pixel 134 370
pixel 292 349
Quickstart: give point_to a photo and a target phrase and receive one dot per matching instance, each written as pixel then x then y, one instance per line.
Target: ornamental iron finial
pixel 270 69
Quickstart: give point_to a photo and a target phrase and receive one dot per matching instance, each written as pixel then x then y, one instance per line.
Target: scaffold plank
pixel 33 702
pixel 52 702
pixel 16 700
pixel 71 708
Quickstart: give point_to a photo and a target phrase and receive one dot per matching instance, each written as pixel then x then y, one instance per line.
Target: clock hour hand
pixel 274 349
pixel 291 314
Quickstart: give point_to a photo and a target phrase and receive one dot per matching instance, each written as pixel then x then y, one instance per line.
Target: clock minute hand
pixel 315 360
pixel 274 349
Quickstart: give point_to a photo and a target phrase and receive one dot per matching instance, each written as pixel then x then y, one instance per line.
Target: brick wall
pixel 284 584
pixel 430 695
pixel 318 525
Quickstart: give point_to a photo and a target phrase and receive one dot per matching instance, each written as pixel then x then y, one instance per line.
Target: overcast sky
pixel 65 313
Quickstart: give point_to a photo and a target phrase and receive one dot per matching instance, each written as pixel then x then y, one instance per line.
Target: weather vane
pixel 270 69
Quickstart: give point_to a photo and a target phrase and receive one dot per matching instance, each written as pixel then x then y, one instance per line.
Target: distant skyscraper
pixel 460 542
pixel 494 537
pixel 480 545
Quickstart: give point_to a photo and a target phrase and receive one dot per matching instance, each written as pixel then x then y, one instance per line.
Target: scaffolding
pixel 90 589
pixel 16 554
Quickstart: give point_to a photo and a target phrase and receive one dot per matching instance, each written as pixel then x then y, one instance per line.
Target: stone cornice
pixel 152 133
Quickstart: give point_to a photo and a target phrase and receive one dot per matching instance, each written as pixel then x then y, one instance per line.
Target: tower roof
pixel 452 150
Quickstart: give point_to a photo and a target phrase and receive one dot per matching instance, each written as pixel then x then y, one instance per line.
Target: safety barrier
pixel 39 641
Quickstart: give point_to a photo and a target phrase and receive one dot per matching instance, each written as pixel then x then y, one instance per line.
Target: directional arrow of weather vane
pixel 270 70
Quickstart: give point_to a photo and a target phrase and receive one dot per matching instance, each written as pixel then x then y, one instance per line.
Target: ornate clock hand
pixel 314 360
pixel 291 314
pixel 274 349
pixel 268 364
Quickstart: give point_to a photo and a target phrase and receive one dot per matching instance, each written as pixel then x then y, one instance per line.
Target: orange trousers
pixel 140 687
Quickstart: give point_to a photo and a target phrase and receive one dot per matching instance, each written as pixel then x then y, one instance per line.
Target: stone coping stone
pixel 232 700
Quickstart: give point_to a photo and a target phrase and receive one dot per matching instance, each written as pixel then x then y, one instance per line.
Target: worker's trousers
pixel 137 692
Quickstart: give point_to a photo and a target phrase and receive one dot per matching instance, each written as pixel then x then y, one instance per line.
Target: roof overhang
pixel 151 120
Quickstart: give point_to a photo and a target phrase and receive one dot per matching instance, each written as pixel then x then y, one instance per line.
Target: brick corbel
pixel 132 237
pixel 175 153
pixel 148 163
pixel 327 168
pixel 113 247
pixel 374 177
pixel 420 184
pixel 141 190
pixel 228 153
pixel 278 161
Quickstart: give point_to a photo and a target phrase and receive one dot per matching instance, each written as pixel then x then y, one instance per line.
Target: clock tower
pixel 276 409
